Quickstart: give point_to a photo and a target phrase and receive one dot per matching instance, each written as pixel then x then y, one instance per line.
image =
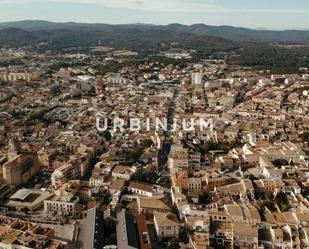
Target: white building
pixel 197 78
pixel 64 203
pixel 117 79
pixel 143 189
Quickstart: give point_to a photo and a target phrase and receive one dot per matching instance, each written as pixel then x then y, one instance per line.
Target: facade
pixel 166 225
pixel 197 78
pixel 117 79
pixel 66 205
pixel 65 173
pixel 194 183
pixel 15 77
pixel 122 172
pixel 144 189
pixel 245 236
pixel 20 169
pixel 178 160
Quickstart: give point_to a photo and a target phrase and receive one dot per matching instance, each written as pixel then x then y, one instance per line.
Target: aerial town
pixel 242 181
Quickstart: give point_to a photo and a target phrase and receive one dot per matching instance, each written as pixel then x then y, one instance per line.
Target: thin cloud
pixel 149 5
pixel 175 6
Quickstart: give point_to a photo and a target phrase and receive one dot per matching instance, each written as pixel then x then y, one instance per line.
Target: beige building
pixel 45 158
pixel 194 183
pixel 14 77
pixel 178 160
pixel 123 172
pixel 20 169
pixel 64 203
pixel 63 174
pixel 166 225
pixel 245 236
pixel 149 205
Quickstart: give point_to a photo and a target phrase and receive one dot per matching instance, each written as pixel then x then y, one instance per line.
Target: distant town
pixel 65 184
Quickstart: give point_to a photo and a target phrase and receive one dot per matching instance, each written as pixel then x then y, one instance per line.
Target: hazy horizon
pixel 271 14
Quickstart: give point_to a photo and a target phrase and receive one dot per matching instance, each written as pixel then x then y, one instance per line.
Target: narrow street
pixel 164 152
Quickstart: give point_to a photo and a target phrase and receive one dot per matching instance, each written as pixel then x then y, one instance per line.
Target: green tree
pixel 205 198
pixel 173 244
pixel 305 137
pixel 110 232
pixel 106 135
pixel 145 176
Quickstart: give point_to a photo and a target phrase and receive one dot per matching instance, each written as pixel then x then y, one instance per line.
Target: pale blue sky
pixel 271 14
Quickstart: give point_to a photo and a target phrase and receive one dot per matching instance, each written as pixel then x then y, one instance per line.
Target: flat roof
pixel 21 194
pixel 31 199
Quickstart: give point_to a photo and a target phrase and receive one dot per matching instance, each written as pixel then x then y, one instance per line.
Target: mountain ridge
pixel 118 37
pixel 238 34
